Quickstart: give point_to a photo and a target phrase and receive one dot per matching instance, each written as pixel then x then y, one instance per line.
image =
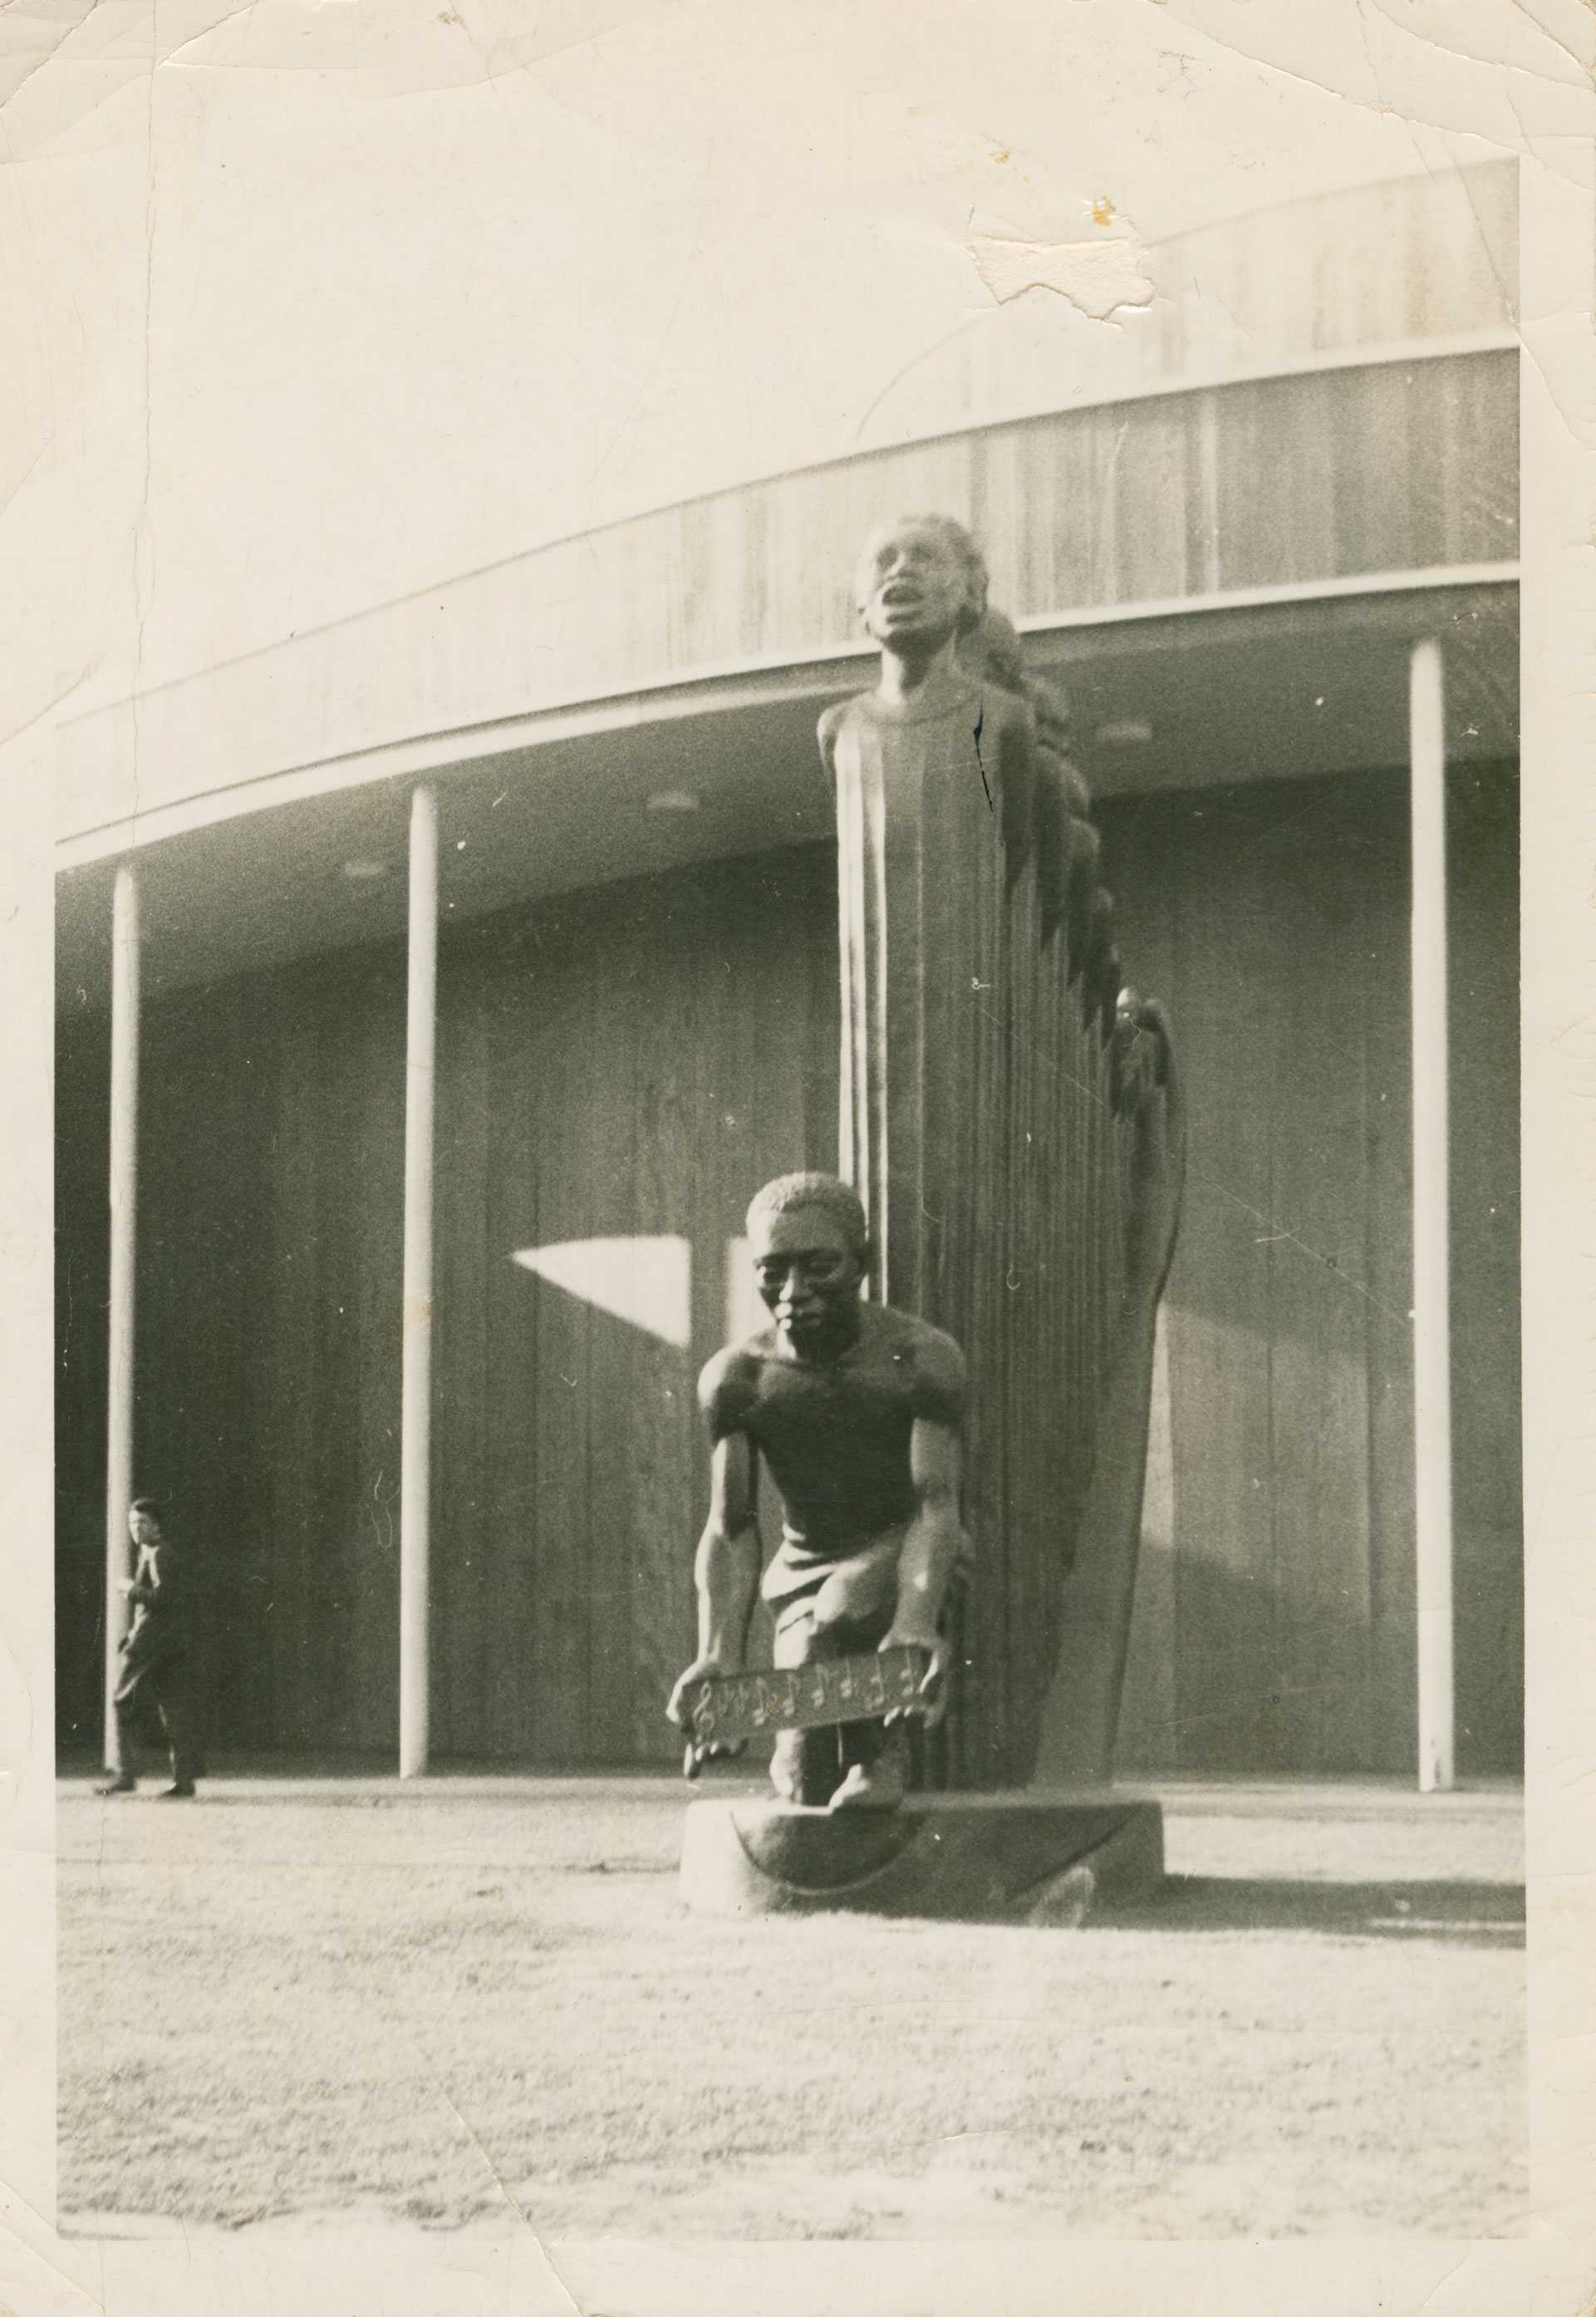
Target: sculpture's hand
pixel 703 1667
pixel 931 1703
pixel 1158 1161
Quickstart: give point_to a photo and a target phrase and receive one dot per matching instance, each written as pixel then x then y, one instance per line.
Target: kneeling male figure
pixel 856 1409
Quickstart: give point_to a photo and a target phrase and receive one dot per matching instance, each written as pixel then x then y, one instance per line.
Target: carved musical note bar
pixel 724 1709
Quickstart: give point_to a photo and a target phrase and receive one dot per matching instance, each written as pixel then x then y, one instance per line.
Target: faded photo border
pixel 1477 81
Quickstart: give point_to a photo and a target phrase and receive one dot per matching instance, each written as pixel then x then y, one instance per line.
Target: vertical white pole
pixel 1432 1382
pixel 124 1194
pixel 416 1406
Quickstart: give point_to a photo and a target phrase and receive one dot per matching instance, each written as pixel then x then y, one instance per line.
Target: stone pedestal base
pixel 1028 1857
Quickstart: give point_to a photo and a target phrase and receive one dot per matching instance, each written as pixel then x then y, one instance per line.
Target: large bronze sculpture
pixel 1010 1122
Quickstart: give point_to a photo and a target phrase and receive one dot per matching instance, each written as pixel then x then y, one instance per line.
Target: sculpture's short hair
pixel 829 1193
pixel 953 535
pixel 156 1506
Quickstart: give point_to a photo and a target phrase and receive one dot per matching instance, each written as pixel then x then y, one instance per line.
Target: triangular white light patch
pixel 648 1282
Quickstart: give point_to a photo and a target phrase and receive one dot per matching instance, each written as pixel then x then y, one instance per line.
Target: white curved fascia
pixel 819 677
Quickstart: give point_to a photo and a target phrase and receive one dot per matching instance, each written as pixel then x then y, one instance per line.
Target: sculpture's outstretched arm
pixel 1154 1093
pixel 933 1545
pixel 726 1573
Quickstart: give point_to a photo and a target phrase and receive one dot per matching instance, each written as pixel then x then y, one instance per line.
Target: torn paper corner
pixel 1097 276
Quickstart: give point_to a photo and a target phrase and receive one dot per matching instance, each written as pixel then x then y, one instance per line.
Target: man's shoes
pixel 118 1782
pixel 182 1793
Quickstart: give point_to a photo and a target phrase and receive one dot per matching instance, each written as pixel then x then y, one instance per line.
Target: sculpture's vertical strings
pixel 992 1134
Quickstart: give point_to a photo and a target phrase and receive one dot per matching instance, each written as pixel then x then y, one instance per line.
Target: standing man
pixel 157 1654
pixel 856 1410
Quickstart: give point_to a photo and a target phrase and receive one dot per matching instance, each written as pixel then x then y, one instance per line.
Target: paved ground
pixel 475 2002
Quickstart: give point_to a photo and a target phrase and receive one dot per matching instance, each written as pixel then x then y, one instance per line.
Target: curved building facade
pixel 1265 536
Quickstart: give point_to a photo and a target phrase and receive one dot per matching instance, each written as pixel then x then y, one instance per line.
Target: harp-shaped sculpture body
pixel 1011 1118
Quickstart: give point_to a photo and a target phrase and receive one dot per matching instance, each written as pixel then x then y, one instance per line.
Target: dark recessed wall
pixel 633 1061
pixel 1279 1632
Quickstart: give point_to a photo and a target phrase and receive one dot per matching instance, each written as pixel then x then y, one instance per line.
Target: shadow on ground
pixel 1459 1914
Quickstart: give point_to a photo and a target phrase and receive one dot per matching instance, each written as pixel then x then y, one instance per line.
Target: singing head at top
pixel 921 581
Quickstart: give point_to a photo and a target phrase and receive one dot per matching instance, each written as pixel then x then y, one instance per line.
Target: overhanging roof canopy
pixel 1286 686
